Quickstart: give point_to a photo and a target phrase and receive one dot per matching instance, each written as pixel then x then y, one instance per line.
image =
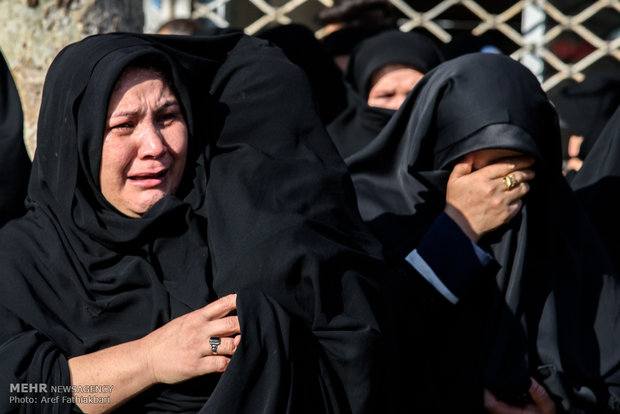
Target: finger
pixel 495 406
pixel 213 363
pixel 227 347
pixel 541 398
pixel 227 326
pixel 519 187
pixel 523 175
pixel 506 166
pixel 574 145
pixel 517 192
pixel 463 167
pixel 513 209
pixel 221 307
pixel 574 164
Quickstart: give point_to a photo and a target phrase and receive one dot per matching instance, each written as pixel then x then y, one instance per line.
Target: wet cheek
pixel 115 169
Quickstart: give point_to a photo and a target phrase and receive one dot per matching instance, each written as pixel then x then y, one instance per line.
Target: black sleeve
pixel 33 370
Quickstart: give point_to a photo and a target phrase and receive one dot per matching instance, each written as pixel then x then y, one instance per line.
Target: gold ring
pixel 509 181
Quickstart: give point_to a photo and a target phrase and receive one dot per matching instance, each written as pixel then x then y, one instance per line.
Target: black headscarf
pixel 550 308
pixel 14 160
pixel 360 123
pixel 265 209
pixel 597 186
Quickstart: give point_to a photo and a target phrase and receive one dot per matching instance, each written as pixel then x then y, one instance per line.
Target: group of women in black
pixel 195 240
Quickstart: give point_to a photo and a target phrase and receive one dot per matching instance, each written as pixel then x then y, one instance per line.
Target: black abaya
pixel 14 160
pixel 585 107
pixel 597 183
pixel 265 209
pixel 550 308
pixel 302 47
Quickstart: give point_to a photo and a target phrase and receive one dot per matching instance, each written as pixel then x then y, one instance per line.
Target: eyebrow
pixel 132 112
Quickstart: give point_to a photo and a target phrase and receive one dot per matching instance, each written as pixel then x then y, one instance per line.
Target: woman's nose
pixel 152 143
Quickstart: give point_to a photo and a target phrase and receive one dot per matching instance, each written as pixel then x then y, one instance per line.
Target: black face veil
pixel 549 309
pixel 265 209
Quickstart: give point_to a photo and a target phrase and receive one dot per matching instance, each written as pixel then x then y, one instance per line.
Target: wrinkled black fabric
pixel 265 205
pixel 597 183
pixel 343 41
pixel 302 47
pixel 549 307
pixel 585 107
pixel 359 123
pixel 14 160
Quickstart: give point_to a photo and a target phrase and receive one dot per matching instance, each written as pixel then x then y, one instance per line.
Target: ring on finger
pixel 214 341
pixel 509 182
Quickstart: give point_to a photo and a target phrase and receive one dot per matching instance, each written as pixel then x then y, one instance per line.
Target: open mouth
pixel 148 179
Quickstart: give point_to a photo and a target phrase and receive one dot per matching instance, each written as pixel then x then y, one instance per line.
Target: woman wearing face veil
pixel 133 294
pixel 361 121
pixel 549 308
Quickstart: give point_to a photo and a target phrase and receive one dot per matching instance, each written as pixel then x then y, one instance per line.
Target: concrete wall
pixel 33 32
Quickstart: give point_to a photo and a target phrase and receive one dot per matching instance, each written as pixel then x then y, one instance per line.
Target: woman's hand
pixel 175 352
pixel 180 350
pixel 543 404
pixel 479 201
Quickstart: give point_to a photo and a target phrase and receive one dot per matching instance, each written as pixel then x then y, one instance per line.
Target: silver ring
pixel 214 341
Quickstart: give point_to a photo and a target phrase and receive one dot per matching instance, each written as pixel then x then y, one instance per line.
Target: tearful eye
pixel 169 117
pixel 122 127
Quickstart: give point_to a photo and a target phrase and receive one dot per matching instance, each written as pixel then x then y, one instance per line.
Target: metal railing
pixel 541 23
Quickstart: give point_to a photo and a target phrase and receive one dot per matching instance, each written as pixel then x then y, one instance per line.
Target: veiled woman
pixel 549 309
pixel 161 183
pixel 408 55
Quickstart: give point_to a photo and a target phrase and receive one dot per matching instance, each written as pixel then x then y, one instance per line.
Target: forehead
pixel 132 76
pixel 395 72
pixel 129 90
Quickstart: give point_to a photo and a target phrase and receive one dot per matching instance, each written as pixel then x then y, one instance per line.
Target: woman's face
pixel 391 84
pixel 144 144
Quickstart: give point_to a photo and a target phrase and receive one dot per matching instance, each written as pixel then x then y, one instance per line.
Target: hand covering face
pixel 14 160
pixel 549 309
pixel 265 209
